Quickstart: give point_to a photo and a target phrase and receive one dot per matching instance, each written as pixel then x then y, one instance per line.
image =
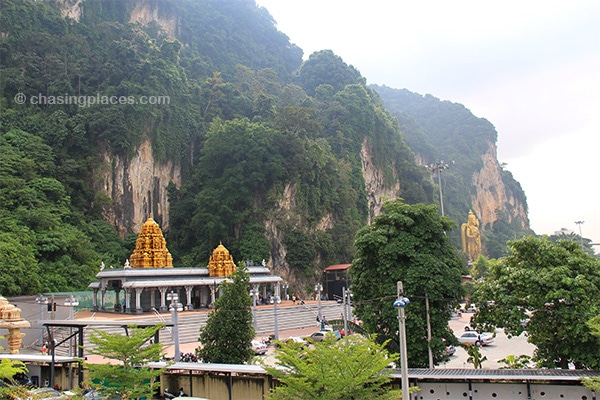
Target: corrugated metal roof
pixel 450 374
pixel 442 374
pixel 208 367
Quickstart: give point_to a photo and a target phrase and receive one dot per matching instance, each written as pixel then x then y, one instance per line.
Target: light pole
pixel 254 292
pixel 42 301
pixel 580 237
pixel 175 307
pixel 318 288
pixel 439 167
pixel 400 303
pixel 71 302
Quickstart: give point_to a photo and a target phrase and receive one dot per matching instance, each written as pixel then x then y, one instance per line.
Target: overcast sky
pixel 532 68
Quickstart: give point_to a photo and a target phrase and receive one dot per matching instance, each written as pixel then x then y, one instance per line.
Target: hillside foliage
pixel 247 119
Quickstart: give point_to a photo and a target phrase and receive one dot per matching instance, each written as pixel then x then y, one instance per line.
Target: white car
pixel 259 347
pixel 473 337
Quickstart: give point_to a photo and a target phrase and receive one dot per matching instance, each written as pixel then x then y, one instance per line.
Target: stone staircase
pixel 288 317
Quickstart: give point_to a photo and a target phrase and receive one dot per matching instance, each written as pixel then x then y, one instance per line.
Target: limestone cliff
pixel 491 195
pixel 145 12
pixel 375 184
pixel 137 188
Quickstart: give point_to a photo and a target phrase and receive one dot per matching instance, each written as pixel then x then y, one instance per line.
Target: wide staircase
pixel 189 322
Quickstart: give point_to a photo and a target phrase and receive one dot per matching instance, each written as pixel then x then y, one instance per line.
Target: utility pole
pixel 428 331
pixel 345 304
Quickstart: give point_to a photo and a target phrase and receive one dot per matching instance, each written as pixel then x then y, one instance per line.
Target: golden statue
pixel 221 263
pixel 10 318
pixel 471 237
pixel 150 248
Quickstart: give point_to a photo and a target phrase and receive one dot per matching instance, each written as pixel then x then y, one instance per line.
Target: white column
pixel 138 295
pixel 188 296
pixel 163 304
pixel 102 299
pixel 152 299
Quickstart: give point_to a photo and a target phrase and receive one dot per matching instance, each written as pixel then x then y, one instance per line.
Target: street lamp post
pixel 254 292
pixel 439 167
pixel 580 236
pixel 400 303
pixel 318 289
pixel 42 301
pixel 175 307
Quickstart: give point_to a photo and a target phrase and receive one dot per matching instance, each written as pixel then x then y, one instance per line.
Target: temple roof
pixel 151 248
pixel 221 262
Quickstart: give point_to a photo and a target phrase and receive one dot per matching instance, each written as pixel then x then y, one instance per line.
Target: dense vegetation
pixel 247 120
pixel 408 243
pixel 551 290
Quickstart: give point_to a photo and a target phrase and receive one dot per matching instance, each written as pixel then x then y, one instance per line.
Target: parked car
pixel 471 309
pixel 317 336
pixel 450 350
pixel 473 337
pixel 46 393
pixel 295 339
pixel 259 347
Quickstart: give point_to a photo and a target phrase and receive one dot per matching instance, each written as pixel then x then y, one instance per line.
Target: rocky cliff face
pixel 375 185
pixel 145 12
pixel 137 188
pixel 491 194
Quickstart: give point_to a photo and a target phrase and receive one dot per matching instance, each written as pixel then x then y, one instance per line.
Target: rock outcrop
pixel 137 188
pixel 491 194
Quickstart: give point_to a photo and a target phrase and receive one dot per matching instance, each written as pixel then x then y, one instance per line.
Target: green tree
pixel 8 369
pixel 228 333
pixel 593 383
pixel 352 368
pixel 516 362
pixel 407 243
pixel 129 379
pixel 555 288
pixel 475 356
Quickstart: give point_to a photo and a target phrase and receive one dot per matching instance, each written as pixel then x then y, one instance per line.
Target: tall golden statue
pixel 471 237
pixel 150 248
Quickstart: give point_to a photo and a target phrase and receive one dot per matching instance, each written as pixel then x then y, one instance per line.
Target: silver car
pixel 473 337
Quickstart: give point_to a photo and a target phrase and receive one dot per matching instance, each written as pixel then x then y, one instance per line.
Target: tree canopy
pixel 551 290
pixel 227 336
pixel 129 378
pixel 407 243
pixel 354 367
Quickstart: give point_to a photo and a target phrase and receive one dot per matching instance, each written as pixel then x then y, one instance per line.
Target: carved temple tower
pixel 221 263
pixel 151 248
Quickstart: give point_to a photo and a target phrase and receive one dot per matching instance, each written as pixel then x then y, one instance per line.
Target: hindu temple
pixel 148 276
pixel 10 318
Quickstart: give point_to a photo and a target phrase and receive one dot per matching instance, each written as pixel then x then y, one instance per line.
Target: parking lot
pixel 499 349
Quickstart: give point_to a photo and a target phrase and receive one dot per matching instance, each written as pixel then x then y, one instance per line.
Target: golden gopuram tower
pixel 221 263
pixel 10 318
pixel 151 248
